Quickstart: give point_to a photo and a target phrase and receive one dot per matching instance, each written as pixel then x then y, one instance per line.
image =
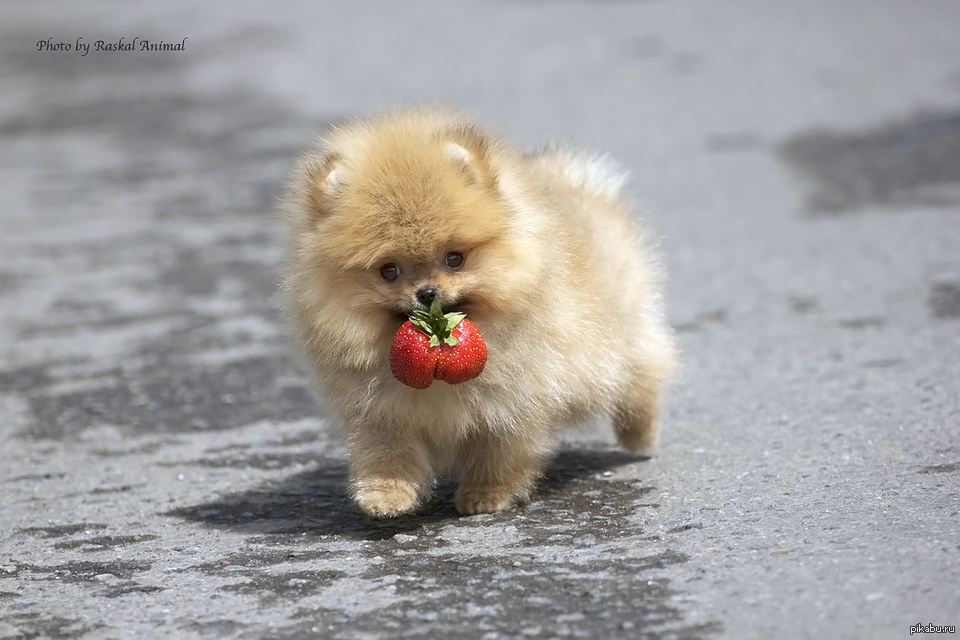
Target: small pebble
pixel 403 537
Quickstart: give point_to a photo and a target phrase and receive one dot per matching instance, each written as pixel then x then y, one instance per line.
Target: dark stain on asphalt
pixel 32 625
pixel 884 363
pixel 99 543
pixel 37 477
pixel 110 579
pixel 124 488
pixel 617 598
pixel 11 281
pixel 952 467
pixel 191 274
pixel 288 585
pixel 686 527
pixel 130 587
pixel 85 571
pixel 72 328
pixel 802 305
pixel 23 378
pixel 944 300
pixel 866 322
pixel 262 556
pixel 701 321
pixel 63 530
pixel 218 628
pixel 910 163
pixel 171 395
pixel 241 145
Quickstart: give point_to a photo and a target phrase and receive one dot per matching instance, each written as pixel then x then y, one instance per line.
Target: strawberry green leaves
pixel 437 325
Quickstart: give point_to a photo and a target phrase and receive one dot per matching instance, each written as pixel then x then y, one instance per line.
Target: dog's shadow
pixel 316 503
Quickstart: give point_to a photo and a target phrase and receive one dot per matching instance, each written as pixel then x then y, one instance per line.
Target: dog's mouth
pixel 460 305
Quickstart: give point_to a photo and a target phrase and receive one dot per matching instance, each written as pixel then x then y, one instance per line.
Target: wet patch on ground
pixel 97 572
pixel 944 300
pixel 34 477
pixel 914 162
pixel 701 321
pixel 885 363
pixel 802 305
pixel 613 598
pixel 952 467
pixel 866 322
pixel 99 543
pixel 10 282
pixel 289 585
pixel 60 531
pixel 171 396
pixel 30 626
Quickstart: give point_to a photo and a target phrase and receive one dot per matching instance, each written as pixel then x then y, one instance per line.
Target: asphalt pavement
pixel 167 472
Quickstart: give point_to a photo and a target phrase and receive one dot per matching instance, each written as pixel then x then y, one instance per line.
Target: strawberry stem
pixel 437 325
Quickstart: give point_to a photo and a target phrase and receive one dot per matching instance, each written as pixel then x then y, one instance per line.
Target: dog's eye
pixel 390 272
pixel 454 260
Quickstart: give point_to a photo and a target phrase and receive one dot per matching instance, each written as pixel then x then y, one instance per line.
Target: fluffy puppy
pixel 550 270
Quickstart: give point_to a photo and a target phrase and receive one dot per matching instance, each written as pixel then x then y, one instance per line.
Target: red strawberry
pixel 465 360
pixel 432 344
pixel 412 359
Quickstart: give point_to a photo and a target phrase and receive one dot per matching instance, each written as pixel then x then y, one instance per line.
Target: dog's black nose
pixel 426 295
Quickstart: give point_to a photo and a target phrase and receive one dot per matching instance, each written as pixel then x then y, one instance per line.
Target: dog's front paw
pixel 486 499
pixel 385 498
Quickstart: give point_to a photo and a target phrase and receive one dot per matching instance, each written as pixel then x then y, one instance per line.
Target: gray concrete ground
pixel 166 471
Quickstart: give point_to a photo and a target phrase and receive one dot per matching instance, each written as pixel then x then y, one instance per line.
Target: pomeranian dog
pixel 536 248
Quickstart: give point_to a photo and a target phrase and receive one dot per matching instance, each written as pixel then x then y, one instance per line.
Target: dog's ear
pixel 321 179
pixel 468 149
